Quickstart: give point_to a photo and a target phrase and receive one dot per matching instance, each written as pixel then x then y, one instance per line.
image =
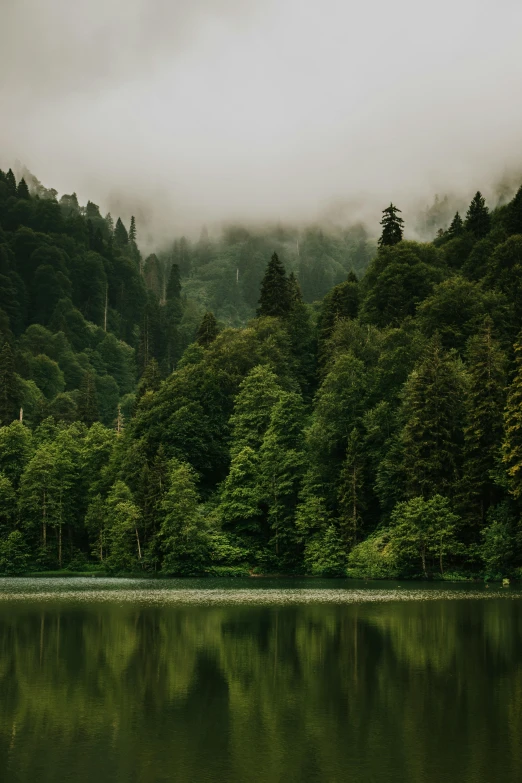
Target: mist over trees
pixel 279 401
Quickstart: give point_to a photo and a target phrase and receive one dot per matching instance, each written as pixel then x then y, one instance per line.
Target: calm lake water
pixel 259 680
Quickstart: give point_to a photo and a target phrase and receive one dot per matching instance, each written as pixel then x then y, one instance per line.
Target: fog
pixel 201 111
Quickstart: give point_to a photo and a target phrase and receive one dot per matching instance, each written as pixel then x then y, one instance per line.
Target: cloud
pixel 208 110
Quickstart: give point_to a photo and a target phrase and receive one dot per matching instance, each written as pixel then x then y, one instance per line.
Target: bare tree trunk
pixel 139 546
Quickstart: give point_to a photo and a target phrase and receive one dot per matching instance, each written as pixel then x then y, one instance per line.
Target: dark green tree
pixel 433 419
pixel 8 386
pixel 512 444
pixel 514 214
pixel 121 236
pixel 392 226
pixel 478 219
pixel 22 190
pixel 208 330
pixel 275 298
pixel 11 183
pixel 485 400
pixel 457 226
pixel 132 231
pixel 87 400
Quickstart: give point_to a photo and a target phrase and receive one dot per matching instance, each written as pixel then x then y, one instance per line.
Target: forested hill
pixel 377 432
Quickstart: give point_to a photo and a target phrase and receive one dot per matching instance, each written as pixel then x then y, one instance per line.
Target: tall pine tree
pixel 478 219
pixel 432 432
pixel 392 226
pixel 485 399
pixel 208 330
pixel 276 296
pixel 8 386
pixel 512 445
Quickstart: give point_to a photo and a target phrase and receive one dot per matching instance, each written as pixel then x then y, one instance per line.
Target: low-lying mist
pixel 215 111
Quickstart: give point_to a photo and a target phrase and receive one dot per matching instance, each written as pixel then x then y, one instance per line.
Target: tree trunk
pixel 139 546
pixel 60 544
pixel 423 559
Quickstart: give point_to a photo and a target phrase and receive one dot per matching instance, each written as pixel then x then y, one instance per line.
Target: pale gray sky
pixel 201 110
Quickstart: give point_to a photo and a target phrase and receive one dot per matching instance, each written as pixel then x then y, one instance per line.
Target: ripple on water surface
pixel 223 591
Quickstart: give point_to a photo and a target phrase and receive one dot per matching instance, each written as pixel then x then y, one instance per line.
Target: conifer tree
pixel 110 223
pixel 478 219
pixel 174 283
pixel 258 392
pixel 275 298
pixel 120 234
pixel 457 226
pixel 8 386
pixel 87 400
pixel 23 190
pixel 350 493
pixel 433 415
pixel 514 214
pixel 281 468
pixel 392 226
pixel 11 183
pixel 512 445
pixel 241 496
pixel 208 330
pixel 184 540
pixel 150 380
pixel 132 231
pixel 296 296
pixel 483 430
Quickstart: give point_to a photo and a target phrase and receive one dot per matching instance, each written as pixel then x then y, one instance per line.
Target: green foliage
pixel 184 539
pixel 478 220
pixel 276 296
pixel 432 411
pixel 208 330
pixel 374 558
pixel 392 226
pixel 317 436
pixel 422 530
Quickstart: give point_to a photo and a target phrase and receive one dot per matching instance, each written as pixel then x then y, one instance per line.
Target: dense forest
pixel 275 401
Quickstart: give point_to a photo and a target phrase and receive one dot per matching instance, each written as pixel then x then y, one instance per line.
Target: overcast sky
pixel 191 111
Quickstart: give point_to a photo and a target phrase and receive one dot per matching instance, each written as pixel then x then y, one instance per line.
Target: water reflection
pixel 410 691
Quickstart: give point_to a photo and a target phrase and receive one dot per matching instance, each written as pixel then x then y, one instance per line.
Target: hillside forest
pixel 274 401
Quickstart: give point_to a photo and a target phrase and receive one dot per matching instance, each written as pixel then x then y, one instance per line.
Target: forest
pixel 274 401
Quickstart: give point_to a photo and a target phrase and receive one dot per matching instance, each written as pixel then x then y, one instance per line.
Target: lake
pixel 259 680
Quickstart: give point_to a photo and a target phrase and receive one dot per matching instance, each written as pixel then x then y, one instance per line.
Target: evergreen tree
pixel 281 467
pixel 11 183
pixel 485 399
pixel 478 219
pixel 132 231
pixel 514 214
pixel 88 400
pixel 258 392
pixel 433 415
pixel 208 330
pixel 8 386
pixel 174 284
pixel 184 539
pixel 23 190
pixel 512 445
pixel 275 298
pixel 392 226
pixel 457 226
pixel 150 380
pixel 351 495
pixel 110 223
pixel 241 496
pixel 121 237
pixel 124 543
